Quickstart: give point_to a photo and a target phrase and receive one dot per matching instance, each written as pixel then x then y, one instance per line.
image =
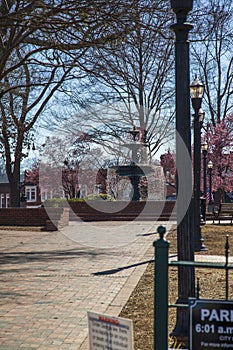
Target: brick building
pixel 29 193
pixel 4 192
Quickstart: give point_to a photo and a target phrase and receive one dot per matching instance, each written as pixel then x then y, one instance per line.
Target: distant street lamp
pixel 196 93
pixel 204 148
pixel 210 169
pixel 201 117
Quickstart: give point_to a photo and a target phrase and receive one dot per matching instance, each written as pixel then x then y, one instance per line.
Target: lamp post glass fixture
pixel 201 117
pixel 196 93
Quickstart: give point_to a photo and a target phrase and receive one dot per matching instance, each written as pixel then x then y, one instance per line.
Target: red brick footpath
pixel 49 282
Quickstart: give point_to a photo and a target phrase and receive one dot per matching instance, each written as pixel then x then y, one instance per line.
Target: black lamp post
pixel 204 148
pixel 196 92
pixel 210 169
pixel 186 279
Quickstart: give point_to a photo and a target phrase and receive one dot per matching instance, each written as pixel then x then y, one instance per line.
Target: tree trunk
pixel 13 174
pixel 15 191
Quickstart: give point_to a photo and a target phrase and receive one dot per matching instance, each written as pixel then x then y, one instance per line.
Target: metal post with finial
pixel 161 291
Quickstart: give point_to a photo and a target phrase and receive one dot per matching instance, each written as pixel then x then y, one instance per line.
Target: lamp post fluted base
pixel 181 331
pixel 199 246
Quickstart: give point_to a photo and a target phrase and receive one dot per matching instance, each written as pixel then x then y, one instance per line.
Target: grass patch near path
pixel 140 306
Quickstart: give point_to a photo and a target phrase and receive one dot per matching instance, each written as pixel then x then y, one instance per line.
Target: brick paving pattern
pixel 49 282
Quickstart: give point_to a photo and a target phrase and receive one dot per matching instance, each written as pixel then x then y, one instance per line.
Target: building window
pixel 43 196
pixel 7 200
pixel 46 195
pixel 2 200
pixel 30 193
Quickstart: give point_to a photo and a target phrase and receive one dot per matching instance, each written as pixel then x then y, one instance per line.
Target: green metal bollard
pixel 161 291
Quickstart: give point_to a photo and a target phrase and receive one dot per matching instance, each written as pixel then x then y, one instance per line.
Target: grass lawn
pixel 139 307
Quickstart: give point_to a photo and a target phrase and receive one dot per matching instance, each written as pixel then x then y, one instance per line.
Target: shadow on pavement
pixel 24 257
pixel 111 272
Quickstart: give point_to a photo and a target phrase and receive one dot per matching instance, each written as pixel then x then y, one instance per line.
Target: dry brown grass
pixel 139 307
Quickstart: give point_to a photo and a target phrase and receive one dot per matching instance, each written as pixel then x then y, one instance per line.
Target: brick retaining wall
pixel 51 218
pixel 33 216
pixel 119 210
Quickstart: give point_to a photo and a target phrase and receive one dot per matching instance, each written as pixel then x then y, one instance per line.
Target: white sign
pixel 109 333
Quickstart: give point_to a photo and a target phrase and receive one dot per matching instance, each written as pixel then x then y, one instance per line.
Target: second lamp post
pixel 196 92
pixel 204 148
pixel 210 169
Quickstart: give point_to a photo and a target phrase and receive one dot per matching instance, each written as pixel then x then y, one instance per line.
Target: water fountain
pixel 136 181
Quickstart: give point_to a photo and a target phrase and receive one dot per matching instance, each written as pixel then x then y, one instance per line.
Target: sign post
pixel 107 332
pixel 211 324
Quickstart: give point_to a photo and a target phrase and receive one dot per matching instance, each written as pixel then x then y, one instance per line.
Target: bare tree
pixel 213 57
pixel 131 76
pixel 130 82
pixel 70 162
pixel 40 44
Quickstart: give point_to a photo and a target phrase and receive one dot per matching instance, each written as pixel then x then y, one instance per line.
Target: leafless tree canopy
pixel 120 56
pixel 212 55
pixel 130 80
pixel 40 43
